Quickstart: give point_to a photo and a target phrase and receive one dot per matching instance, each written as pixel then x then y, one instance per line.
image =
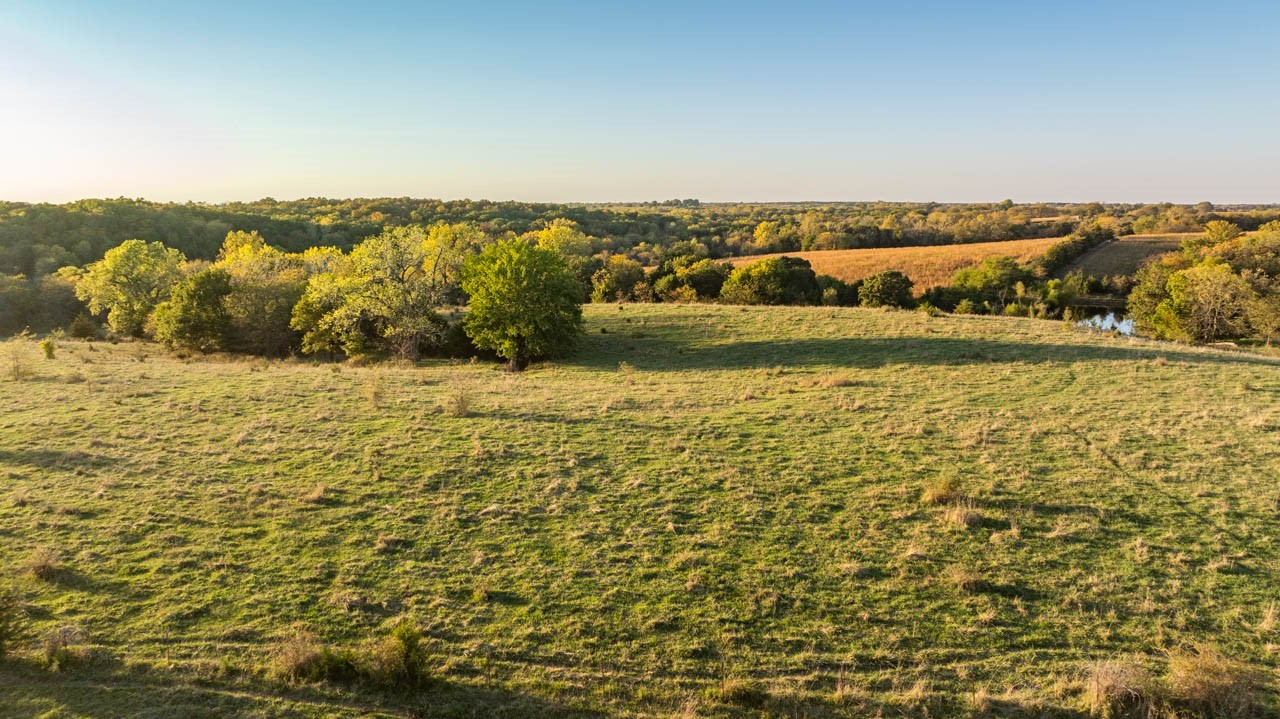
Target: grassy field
pixel 1125 255
pixel 926 266
pixel 709 511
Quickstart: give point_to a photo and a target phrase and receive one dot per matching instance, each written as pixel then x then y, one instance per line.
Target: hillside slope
pixel 714 511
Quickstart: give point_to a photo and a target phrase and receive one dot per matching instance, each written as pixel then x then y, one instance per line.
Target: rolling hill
pixel 707 511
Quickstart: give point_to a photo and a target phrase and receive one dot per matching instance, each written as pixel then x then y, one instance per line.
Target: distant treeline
pixel 37 239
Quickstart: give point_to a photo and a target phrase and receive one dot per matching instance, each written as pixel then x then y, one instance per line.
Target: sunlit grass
pixel 708 511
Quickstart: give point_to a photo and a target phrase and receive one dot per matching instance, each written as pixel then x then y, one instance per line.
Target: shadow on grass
pixel 100 692
pixel 53 459
pixel 659 353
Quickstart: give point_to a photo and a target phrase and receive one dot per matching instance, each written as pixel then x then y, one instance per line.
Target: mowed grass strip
pixel 708 511
pixel 1123 256
pixel 927 267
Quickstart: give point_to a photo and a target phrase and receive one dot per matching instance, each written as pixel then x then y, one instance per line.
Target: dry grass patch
pixel 963 514
pixel 964 578
pixel 44 564
pixel 942 490
pixel 1206 683
pixel 1120 689
pixel 457 403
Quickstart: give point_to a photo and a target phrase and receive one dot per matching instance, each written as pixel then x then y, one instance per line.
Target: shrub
pixel 742 692
pixel 400 659
pixel 886 289
pixel 83 327
pixel 964 579
pixel 301 657
pixel 457 403
pixel 941 491
pixel 16 362
pixel 838 292
pixel 48 347
pixel 969 307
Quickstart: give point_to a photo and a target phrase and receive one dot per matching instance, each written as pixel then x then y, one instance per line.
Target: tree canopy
pixel 525 302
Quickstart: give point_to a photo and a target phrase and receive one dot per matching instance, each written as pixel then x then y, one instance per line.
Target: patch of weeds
pixel 43 564
pixel 942 490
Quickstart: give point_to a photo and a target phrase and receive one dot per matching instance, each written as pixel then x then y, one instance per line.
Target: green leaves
pixel 525 302
pixel 129 281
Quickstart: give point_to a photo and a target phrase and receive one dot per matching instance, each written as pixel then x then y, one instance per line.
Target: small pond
pixel 1109 322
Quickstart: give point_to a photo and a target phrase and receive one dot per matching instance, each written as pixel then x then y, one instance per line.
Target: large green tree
pixel 525 302
pixel 386 296
pixel 195 315
pixel 773 281
pixel 129 281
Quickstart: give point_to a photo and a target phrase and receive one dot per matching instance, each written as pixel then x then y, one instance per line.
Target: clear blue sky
pixel 596 101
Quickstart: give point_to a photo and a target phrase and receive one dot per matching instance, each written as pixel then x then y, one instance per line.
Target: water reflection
pixel 1109 323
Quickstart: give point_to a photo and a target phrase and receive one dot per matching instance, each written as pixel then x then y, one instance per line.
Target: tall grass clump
pixel 457 403
pixel 43 564
pixel 301 657
pixel 941 491
pixel 1205 683
pixel 1120 689
pixel 16 366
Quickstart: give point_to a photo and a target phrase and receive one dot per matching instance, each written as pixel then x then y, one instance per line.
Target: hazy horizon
pixel 585 103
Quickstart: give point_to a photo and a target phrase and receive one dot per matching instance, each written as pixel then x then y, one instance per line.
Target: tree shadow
pixel 54 459
pixel 100 690
pixel 659 353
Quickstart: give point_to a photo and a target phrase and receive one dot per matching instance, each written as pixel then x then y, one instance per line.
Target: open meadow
pixel 706 511
pixel 928 266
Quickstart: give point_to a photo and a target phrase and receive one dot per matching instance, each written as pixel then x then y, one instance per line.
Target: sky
pixel 1036 100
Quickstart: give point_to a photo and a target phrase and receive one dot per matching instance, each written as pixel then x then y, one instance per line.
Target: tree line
pixel 38 239
pixel 402 291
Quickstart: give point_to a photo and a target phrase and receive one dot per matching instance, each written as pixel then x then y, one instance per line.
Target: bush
pixel 838 292
pixel 398 660
pixel 195 316
pixel 886 289
pixel 83 327
pixel 44 564
pixel 15 361
pixel 48 347
pixel 941 491
pixel 969 307
pixel 303 658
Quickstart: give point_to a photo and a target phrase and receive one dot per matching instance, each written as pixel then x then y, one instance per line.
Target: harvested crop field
pixel 928 266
